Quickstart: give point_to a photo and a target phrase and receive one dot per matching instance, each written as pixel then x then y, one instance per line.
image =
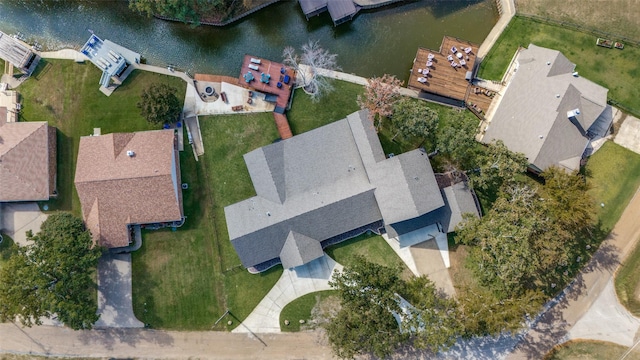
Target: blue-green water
pixel 375 42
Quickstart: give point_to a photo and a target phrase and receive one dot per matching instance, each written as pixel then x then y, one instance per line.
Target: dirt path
pixel 139 343
pixel 554 325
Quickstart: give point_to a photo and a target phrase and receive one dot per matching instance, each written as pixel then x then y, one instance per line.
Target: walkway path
pixel 508 12
pixel 293 283
pixel 628 134
pixel 555 324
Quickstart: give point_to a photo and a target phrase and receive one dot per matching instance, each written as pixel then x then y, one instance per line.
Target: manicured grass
pixel 614 69
pixel 192 276
pixel 372 247
pixel 614 173
pixel 226 140
pixel 66 95
pixel 307 115
pixel 627 282
pixel 590 350
pixel 300 309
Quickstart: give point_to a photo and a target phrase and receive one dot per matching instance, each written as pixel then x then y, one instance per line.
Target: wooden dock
pixel 443 79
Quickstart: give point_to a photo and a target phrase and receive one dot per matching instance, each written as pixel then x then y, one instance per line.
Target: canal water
pixel 375 42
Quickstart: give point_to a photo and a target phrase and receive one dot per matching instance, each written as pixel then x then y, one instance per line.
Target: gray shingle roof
pixel 334 179
pixel 532 115
pixel 299 249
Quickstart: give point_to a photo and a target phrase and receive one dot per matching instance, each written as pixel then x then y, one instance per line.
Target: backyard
pixel 590 350
pixel 616 16
pixel 614 69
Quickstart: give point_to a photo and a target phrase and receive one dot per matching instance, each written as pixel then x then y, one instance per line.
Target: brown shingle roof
pixel 116 189
pixel 24 161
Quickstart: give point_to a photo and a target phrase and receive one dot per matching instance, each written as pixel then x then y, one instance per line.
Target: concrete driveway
pixel 628 135
pixel 114 292
pixel 606 320
pixel 293 283
pixel 17 218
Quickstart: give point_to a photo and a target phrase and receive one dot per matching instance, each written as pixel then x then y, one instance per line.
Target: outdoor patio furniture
pixel 450 58
pixel 283 70
pixel 253 67
pixel 248 77
pixel 250 93
pixel 425 71
pixel 279 85
pixel 429 63
pixel 454 49
pixel 459 55
pixel 430 56
pixel 420 71
pixel 462 62
pixel 422 80
pixel 237 108
pixel 249 101
pixel 467 50
pixel 223 95
pixel 286 79
pixel 255 61
pixel 265 78
pixel 454 64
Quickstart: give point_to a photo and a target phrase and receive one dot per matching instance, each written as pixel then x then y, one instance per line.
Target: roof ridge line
pixel 26 137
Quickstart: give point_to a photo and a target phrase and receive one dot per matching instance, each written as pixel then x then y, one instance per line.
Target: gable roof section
pixel 299 249
pixel 24 161
pixel 116 189
pixel 532 116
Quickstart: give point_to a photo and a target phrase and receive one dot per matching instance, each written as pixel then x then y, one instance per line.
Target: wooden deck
pixel 282 123
pixel 444 79
pixel 274 70
pixel 216 78
pixel 478 99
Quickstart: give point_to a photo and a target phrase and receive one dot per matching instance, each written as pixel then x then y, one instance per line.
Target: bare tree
pixel 380 95
pixel 312 59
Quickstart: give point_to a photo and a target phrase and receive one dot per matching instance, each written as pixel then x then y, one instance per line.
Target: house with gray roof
pixel 330 184
pixel 548 112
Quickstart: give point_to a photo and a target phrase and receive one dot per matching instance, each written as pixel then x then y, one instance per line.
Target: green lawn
pixel 67 95
pixel 590 350
pixel 614 69
pixel 627 282
pixel 372 247
pixel 300 309
pixel 307 115
pixel 614 173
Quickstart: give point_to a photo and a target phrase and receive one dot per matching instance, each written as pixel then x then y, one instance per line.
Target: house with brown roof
pixel 27 161
pixel 128 179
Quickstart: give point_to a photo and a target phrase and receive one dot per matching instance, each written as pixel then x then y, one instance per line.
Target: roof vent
pixel 548 62
pixel 573 113
pixel 130 153
pixel 541 136
pixel 558 96
pixel 268 213
pixel 575 74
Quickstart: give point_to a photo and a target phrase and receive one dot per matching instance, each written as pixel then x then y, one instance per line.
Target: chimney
pixel 572 115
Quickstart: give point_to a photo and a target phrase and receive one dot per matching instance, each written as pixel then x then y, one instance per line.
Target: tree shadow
pixel 111 337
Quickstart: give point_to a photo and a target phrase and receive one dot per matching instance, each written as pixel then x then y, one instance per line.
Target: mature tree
pixel 370 295
pixel 503 259
pixel 308 65
pixel 380 95
pixel 456 140
pixel 183 10
pixel 52 276
pixel 159 104
pixel 497 165
pixel 413 118
pixel 483 314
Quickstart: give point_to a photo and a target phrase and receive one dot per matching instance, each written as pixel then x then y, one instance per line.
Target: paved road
pixel 554 325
